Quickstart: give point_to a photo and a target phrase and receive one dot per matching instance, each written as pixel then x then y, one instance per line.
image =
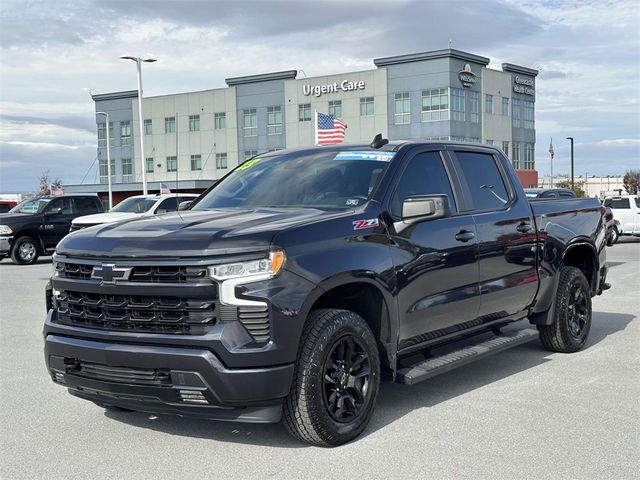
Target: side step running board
pixel 431 367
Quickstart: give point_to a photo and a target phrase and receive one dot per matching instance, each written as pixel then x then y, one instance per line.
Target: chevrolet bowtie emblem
pixel 109 274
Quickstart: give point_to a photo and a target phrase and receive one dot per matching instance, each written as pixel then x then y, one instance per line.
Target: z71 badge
pixel 362 224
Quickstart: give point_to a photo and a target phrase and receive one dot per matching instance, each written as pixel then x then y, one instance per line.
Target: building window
pixel 528 115
pixel 274 120
pixel 221 161
pixel 194 123
pixel 366 106
pixel 488 141
pixel 125 133
pixel 304 112
pixel 529 163
pixel 474 107
pixel 488 104
pixel 103 170
pixel 457 104
pixel 505 106
pixel 102 135
pixel 172 164
pixel 402 108
pixel 335 108
pixel 250 153
pixel 435 104
pixel 505 148
pixel 148 126
pixel 219 120
pixel 127 170
pixel 196 162
pixel 169 124
pixel 515 158
pixel 250 122
pixel 149 164
pixel 515 113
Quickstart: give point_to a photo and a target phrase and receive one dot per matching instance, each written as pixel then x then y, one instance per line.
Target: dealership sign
pixel 467 77
pixel 335 87
pixel 523 85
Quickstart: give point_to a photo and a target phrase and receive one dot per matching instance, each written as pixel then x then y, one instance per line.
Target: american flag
pixel 329 130
pixel 551 152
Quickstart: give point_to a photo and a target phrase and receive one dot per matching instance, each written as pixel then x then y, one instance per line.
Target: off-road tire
pixel 18 251
pixel 307 415
pixel 562 335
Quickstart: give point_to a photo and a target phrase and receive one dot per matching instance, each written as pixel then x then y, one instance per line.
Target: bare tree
pixel 44 183
pixel 631 181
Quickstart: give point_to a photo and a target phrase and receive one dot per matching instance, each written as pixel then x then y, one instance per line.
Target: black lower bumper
pixel 180 381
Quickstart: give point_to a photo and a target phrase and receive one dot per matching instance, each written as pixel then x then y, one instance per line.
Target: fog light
pixel 192 396
pixel 58 377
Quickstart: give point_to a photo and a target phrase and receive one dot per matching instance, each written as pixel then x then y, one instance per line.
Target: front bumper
pixel 160 379
pixel 5 244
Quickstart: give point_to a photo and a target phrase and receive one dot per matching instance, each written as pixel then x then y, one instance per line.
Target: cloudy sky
pixel 54 53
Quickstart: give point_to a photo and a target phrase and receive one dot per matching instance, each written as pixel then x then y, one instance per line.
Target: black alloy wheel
pixel 577 314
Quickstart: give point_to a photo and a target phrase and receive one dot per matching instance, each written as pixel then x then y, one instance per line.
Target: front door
pixel 435 260
pixel 56 221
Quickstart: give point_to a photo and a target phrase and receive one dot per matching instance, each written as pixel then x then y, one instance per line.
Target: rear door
pixel 435 260
pixel 505 233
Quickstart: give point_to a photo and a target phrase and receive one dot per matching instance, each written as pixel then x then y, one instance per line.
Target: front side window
pixel 221 161
pixel 366 106
pixel 125 133
pixel 250 122
pixel 135 205
pixel 457 104
pixel 424 175
pixel 219 120
pixel 172 164
pixel 435 104
pixel 488 191
pixel 402 108
pixel 169 124
pixel 324 179
pixel 148 126
pixel 196 162
pixel 488 104
pixel 304 112
pixel 194 123
pixel 335 108
pixel 127 170
pixel 167 205
pixel 274 120
pixel 474 107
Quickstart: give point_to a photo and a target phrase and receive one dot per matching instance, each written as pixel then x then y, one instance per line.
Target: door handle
pixel 464 236
pixel 524 227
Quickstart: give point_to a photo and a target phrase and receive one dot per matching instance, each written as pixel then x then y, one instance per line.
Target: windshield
pixel 135 205
pixel 322 179
pixel 31 206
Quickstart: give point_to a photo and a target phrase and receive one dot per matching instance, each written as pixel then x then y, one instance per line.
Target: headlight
pixel 57 267
pixel 269 266
pixel 5 230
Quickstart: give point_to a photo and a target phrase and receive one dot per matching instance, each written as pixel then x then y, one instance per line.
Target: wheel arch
pixel 30 233
pixel 582 255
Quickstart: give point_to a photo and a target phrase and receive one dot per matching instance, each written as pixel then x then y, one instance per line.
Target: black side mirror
pixel 55 211
pixel 184 205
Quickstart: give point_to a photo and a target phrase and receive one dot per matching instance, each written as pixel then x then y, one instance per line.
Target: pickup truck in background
pixel 626 215
pixel 295 285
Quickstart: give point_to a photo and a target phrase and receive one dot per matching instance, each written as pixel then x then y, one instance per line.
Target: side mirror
pixel 427 207
pixel 55 211
pixel 184 205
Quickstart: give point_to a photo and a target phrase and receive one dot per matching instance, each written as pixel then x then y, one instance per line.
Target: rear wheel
pixel 337 379
pixel 25 251
pixel 612 235
pixel 572 315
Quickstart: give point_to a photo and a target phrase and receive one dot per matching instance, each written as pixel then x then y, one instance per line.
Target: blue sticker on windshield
pixel 378 156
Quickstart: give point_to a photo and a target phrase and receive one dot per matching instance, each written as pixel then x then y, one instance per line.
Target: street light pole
pixel 108 158
pixel 139 61
pixel 571 139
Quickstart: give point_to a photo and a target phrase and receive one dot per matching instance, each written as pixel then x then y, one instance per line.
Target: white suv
pixel 138 205
pixel 626 214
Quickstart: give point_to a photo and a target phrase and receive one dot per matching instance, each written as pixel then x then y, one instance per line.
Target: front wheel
pixel 572 315
pixel 25 251
pixel 337 379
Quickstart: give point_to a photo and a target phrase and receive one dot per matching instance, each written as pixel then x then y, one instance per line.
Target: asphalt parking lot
pixel 523 413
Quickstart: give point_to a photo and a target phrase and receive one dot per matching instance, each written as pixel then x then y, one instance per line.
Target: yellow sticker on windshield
pixel 248 164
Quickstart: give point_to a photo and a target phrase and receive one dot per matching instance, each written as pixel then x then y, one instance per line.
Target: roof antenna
pixel 378 141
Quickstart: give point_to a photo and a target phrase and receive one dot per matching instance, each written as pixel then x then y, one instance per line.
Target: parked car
pixel 626 214
pixel 6 205
pixel 548 193
pixel 133 207
pixel 34 227
pixel 300 281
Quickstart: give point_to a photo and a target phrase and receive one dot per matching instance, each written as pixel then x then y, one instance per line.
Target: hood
pixel 189 233
pixel 98 218
pixel 13 218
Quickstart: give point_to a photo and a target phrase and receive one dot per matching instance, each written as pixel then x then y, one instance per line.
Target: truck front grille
pixel 143 274
pixel 136 313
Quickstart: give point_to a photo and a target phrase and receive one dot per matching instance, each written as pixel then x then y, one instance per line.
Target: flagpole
pixel 551 155
pixel 315 126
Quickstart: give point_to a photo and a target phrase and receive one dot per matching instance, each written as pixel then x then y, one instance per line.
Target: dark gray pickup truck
pixel 304 278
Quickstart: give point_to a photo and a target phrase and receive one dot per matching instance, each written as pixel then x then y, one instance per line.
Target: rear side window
pixel 622 203
pixel 487 188
pixel 85 205
pixel 425 175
